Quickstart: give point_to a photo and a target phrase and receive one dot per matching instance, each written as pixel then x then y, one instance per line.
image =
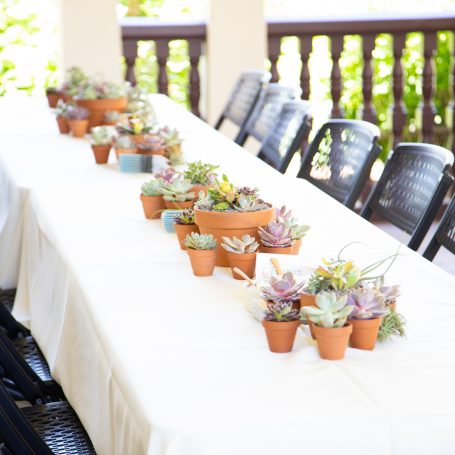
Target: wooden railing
pixel 135 29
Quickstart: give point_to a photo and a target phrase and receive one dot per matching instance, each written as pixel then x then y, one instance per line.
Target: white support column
pixel 236 41
pixel 91 38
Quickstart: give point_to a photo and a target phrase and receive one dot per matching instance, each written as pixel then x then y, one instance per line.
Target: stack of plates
pixel 142 163
pixel 167 216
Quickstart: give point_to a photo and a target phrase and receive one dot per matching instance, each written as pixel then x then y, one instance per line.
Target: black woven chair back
pixel 339 159
pixel 411 188
pixel 244 96
pixel 288 132
pixel 12 327
pixel 266 111
pixel 444 235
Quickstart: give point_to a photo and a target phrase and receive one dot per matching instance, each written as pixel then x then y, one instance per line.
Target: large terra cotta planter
pixel 101 153
pixel 332 343
pixel 280 335
pixel 78 127
pixel 62 124
pixel 178 205
pixel 99 107
pixel 245 262
pixel 153 206
pixel 364 333
pixel 202 261
pixel 182 230
pixel 272 250
pixel 230 224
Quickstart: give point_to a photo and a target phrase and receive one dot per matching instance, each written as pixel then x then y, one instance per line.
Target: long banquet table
pixel 157 361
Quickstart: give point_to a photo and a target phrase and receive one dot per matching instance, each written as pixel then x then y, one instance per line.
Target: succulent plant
pixel 390 293
pixel 152 187
pixel 133 125
pixel 170 136
pixel 62 108
pixel 298 231
pixel 245 245
pixel 92 90
pixel 101 135
pixel 167 175
pixel 285 289
pixel 367 304
pixel 200 173
pixel 74 77
pixel 393 325
pixel 178 190
pixel 281 312
pixel 111 116
pixel 151 143
pixel 124 142
pixel 332 310
pixel 197 241
pixel 139 103
pixel 275 235
pixel 77 113
pixel 186 216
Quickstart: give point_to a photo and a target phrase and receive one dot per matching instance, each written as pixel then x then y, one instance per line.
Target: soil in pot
pixel 118 152
pixel 101 153
pixel 182 230
pixel 280 335
pixel 153 206
pixel 62 125
pixel 229 224
pixel 202 261
pixel 245 262
pixel 270 250
pixel 78 127
pixel 364 333
pixel 296 246
pixel 332 343
pixel 99 107
pixel 178 205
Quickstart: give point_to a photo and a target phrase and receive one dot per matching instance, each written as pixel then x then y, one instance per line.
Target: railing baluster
pixel 399 110
pixel 130 54
pixel 195 50
pixel 336 49
pixel 428 110
pixel 162 53
pixel 306 44
pixel 274 54
pixel 369 113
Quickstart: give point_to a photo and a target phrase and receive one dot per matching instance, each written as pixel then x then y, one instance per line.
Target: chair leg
pixel 431 250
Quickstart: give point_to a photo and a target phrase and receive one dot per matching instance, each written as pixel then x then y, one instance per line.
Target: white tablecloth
pixel 155 360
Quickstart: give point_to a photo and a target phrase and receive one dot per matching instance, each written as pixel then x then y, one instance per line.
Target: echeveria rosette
pixel 281 312
pixel 297 231
pixel 282 290
pixel 332 310
pixel 276 235
pixel 246 245
pixel 366 304
pixel 166 175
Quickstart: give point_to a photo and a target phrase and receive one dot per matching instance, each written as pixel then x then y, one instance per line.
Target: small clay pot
pixel 364 333
pixel 178 205
pixel 270 250
pixel 78 128
pixel 245 262
pixel 296 246
pixel 153 206
pixel 202 261
pixel 62 125
pixel 67 98
pixel 52 99
pixel 182 230
pixel 332 343
pixel 98 108
pixel 308 300
pixel 138 138
pixel 280 335
pixel 118 152
pixel 101 153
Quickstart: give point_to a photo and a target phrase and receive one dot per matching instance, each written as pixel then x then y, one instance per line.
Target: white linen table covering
pixel 157 361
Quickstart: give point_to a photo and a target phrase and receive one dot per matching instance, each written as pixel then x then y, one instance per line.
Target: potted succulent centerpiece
pixel 101 141
pixel 61 112
pixel 228 211
pixel 276 238
pixel 124 144
pixel 297 231
pixel 77 118
pixel 53 94
pixel 111 118
pixel 177 194
pixel 201 175
pixel 241 254
pixel 173 144
pixel 184 224
pixel 281 322
pixel 201 250
pixel 330 325
pixel 152 199
pixel 74 78
pixel 283 289
pixel 151 145
pixel 99 98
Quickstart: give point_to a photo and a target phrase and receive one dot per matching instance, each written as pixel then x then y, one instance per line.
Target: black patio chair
pixel 51 428
pixel 444 235
pixel 411 189
pixel 339 159
pixel 266 111
pixel 8 323
pixel 288 132
pixel 7 298
pixel 244 97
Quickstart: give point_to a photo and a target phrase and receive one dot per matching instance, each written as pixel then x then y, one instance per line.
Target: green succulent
pixel 101 135
pixel 152 187
pixel 197 241
pixel 62 108
pixel 124 142
pixel 186 216
pixel 393 325
pixel 200 173
pixel 178 190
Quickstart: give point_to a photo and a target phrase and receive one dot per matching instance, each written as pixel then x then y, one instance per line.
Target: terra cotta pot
pixel 296 246
pixel 101 153
pixel 280 335
pixel 174 205
pixel 52 98
pixel 153 206
pixel 270 250
pixel 364 333
pixel 202 261
pixel 332 342
pixel 99 107
pixel 78 127
pixel 182 230
pixel 246 262
pixel 119 151
pixel 62 125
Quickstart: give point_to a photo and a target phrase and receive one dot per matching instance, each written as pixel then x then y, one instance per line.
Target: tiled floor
pixel 443 259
